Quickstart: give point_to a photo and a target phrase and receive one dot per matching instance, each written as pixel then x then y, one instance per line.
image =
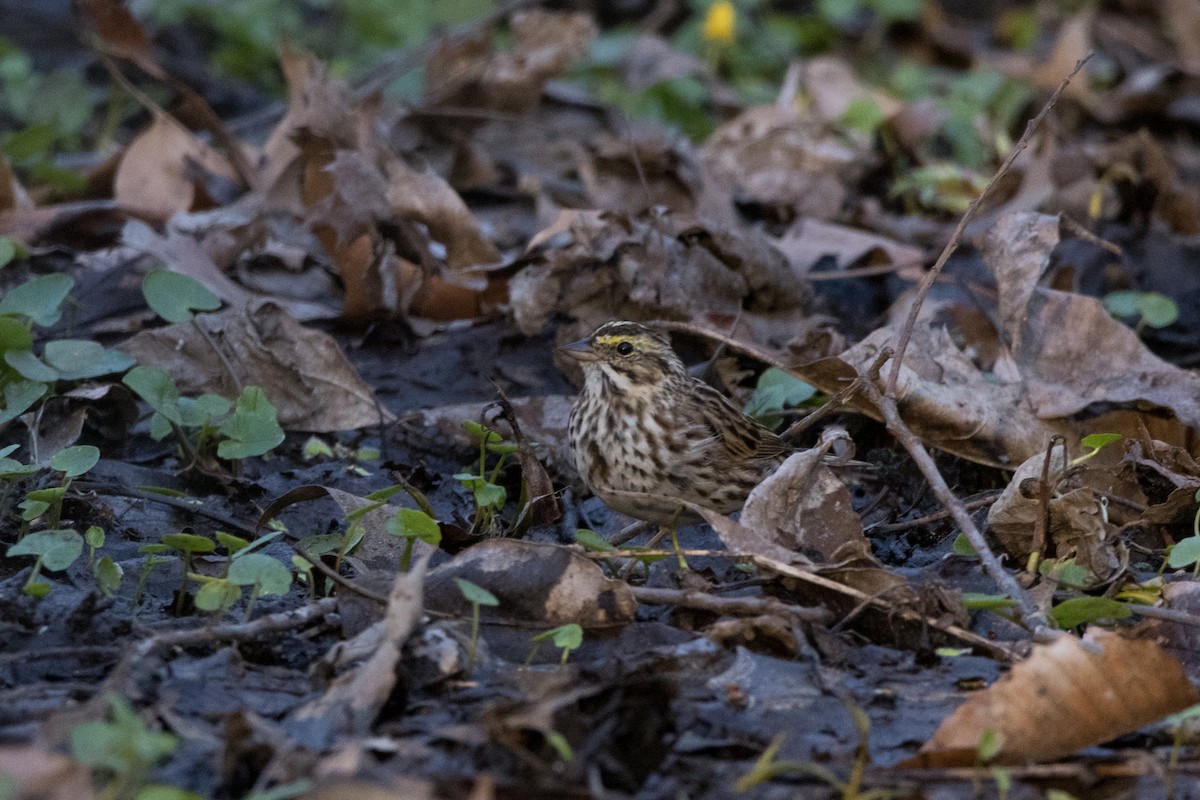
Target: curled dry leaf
pixel 611 266
pixel 804 506
pixel 157 174
pixel 466 72
pixel 782 157
pixel 303 372
pixel 1063 372
pixel 1079 526
pixel 536 584
pixel 1006 415
pixel 1066 696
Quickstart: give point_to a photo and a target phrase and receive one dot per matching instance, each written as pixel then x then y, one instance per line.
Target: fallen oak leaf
pixel 1066 696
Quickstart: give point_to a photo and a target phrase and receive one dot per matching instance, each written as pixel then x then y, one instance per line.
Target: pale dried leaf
pixel 556 585
pixel 303 372
pixel 1066 696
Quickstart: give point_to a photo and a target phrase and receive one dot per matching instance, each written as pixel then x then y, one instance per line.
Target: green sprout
pixel 55 550
pixel 1151 309
pixel 1094 443
pixel 489 496
pixel 477 596
pixel 566 637
pixel 123 749
pixel 411 524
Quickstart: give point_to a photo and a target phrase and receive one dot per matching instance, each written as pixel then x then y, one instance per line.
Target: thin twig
pixel 970 505
pixel 333 575
pixel 1029 613
pixel 1166 614
pixel 734 606
pixel 927 282
pixel 174 502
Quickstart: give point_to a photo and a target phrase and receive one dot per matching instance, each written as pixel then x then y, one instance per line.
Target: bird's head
pixel 630 355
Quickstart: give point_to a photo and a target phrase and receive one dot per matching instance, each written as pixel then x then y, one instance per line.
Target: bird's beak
pixel 580 351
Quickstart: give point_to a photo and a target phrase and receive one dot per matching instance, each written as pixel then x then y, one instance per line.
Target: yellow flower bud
pixel 720 24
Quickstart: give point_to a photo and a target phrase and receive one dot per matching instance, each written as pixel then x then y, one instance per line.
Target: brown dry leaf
pixel 1065 373
pixel 779 157
pixel 1078 527
pixel 1074 41
pixel 1055 374
pixel 651 267
pixel 537 585
pixel 1066 696
pixel 316 103
pixel 39 774
pixel 119 32
pixel 833 88
pixel 155 176
pixel 350 705
pixel 427 198
pixel 303 372
pixel 465 72
pixel 803 506
pixel 810 240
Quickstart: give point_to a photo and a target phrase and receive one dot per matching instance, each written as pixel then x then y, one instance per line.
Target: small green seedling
pixel 250 428
pixel 72 462
pixel 215 594
pixel 1151 309
pixel 776 392
pixel 188 545
pixel 93 537
pixel 991 742
pixel 1094 443
pixel 174 296
pixel 106 572
pixel 590 540
pixel 1181 723
pixel 266 576
pixel 155 556
pixel 1079 610
pixel 1065 572
pixel 123 749
pixel 411 524
pixel 489 496
pixel 566 637
pixel 477 596
pixel 55 550
pixel 1186 552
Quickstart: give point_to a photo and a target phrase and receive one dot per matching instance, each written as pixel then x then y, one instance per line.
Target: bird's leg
pixel 670 527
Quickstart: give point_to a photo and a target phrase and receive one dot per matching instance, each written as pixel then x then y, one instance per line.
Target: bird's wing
pixel 721 432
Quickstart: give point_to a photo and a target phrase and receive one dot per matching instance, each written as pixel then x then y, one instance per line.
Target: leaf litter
pixel 361 251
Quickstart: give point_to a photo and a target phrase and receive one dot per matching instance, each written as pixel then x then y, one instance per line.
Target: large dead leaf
pixel 1064 697
pixel 158 174
pixel 303 371
pixel 1056 381
pixel 609 266
pixel 803 506
pixel 466 72
pixel 1078 527
pixel 538 585
pixel 1063 372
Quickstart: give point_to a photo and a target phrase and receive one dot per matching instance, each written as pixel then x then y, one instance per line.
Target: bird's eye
pixel 624 348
